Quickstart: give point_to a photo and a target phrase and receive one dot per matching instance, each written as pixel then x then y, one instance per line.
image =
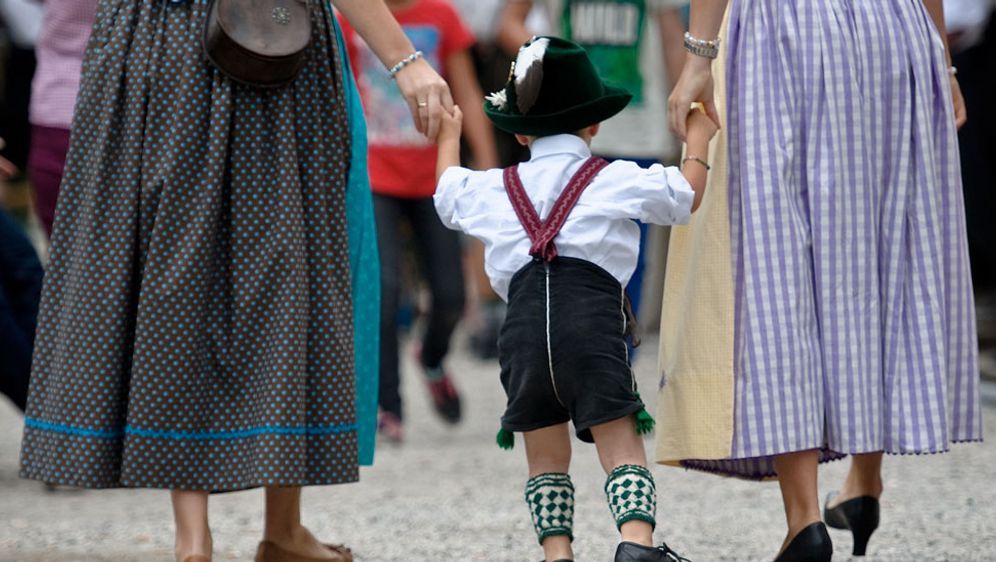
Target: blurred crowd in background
pixel 41 50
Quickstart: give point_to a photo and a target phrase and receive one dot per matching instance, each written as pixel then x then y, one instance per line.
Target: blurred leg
pixel 441 263
pixel 20 293
pixel 388 216
pixel 48 158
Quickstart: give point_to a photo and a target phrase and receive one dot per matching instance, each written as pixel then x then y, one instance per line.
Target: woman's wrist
pixel 704 48
pixel 408 60
pixel 695 62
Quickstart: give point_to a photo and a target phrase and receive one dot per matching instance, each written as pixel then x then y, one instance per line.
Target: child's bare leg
pixel 548 451
pixel 620 449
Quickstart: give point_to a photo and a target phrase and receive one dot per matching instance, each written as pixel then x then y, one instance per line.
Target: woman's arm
pixel 936 10
pixel 695 83
pixel 705 18
pixel 467 94
pixel 512 31
pixel 427 94
pixel 671 31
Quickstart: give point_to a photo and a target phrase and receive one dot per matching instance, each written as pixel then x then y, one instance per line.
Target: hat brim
pixel 568 120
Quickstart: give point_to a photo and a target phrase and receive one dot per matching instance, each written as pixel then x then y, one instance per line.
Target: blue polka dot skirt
pixel 196 324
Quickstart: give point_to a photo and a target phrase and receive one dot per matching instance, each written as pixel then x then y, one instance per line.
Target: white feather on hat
pixel 529 73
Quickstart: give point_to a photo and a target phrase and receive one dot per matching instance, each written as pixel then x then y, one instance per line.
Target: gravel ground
pixel 450 494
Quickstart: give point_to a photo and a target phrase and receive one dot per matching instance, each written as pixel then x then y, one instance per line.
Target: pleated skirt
pixel 196 326
pixel 854 314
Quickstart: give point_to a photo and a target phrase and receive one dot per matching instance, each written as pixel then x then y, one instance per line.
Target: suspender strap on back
pixel 542 233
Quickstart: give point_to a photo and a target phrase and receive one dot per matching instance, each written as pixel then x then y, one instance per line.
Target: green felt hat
pixel 553 88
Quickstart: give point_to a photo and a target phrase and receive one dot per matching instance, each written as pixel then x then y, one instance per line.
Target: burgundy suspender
pixel 542 233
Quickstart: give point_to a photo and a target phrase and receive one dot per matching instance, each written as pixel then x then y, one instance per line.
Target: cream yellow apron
pixel 695 401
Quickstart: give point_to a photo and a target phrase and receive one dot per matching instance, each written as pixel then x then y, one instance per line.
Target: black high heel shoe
pixel 860 515
pixel 812 544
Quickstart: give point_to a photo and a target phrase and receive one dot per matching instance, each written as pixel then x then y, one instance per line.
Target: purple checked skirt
pixel 855 323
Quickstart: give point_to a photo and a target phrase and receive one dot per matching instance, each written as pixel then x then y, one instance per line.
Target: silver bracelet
pixel 404 62
pixel 701 47
pixel 953 70
pixel 696 159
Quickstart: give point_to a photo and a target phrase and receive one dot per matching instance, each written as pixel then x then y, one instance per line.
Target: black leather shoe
pixel 860 515
pixel 812 544
pixel 632 552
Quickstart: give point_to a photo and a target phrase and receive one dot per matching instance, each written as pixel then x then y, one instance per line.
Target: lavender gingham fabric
pixel 855 325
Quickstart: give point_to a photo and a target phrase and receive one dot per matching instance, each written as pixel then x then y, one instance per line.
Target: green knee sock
pixel 632 494
pixel 550 498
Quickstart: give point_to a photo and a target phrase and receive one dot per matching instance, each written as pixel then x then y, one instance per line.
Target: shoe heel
pixel 860 515
pixel 861 535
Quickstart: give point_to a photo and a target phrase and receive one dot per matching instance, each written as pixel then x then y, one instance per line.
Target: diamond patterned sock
pixel 632 494
pixel 550 498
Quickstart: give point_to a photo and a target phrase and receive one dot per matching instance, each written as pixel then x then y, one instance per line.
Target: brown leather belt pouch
pixel 258 42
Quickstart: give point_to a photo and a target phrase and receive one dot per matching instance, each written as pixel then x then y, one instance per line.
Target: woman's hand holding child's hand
pixel 450 125
pixel 700 126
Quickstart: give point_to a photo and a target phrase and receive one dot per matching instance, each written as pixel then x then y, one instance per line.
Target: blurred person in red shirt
pixel 402 175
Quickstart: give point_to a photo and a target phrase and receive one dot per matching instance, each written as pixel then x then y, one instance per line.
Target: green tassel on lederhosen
pixel 644 421
pixel 505 439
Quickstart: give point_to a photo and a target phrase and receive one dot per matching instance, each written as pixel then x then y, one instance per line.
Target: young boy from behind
pixel 561 244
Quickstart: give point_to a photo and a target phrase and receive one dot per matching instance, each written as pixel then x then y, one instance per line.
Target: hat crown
pixel 569 79
pixel 553 88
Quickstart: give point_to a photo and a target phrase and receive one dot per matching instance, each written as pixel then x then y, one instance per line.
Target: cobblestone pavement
pixel 451 494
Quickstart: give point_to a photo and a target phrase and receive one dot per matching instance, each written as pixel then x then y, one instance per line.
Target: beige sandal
pixel 271 552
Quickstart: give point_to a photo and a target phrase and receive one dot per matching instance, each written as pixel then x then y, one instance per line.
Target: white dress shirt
pixel 600 229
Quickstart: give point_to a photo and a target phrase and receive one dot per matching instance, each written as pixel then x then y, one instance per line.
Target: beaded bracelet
pixel 404 62
pixel 701 47
pixel 696 159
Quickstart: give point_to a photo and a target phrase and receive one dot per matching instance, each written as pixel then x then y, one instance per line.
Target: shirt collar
pixel 559 144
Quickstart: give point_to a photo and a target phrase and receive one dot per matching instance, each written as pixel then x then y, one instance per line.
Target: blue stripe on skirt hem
pixel 187 435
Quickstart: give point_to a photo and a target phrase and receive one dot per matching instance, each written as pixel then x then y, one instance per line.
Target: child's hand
pixel 700 126
pixel 450 125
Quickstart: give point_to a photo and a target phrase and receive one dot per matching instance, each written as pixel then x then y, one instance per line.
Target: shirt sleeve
pixel 656 195
pixel 453 185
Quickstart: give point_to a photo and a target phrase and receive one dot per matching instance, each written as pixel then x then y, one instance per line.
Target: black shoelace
pixel 671 555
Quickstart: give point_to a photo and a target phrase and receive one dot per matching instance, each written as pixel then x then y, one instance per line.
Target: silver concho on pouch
pixel 281 15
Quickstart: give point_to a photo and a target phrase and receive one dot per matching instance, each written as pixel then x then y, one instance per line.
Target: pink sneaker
pixel 390 427
pixel 444 395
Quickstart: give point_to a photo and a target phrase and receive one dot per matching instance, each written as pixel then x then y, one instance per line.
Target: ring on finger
pixel 423 104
